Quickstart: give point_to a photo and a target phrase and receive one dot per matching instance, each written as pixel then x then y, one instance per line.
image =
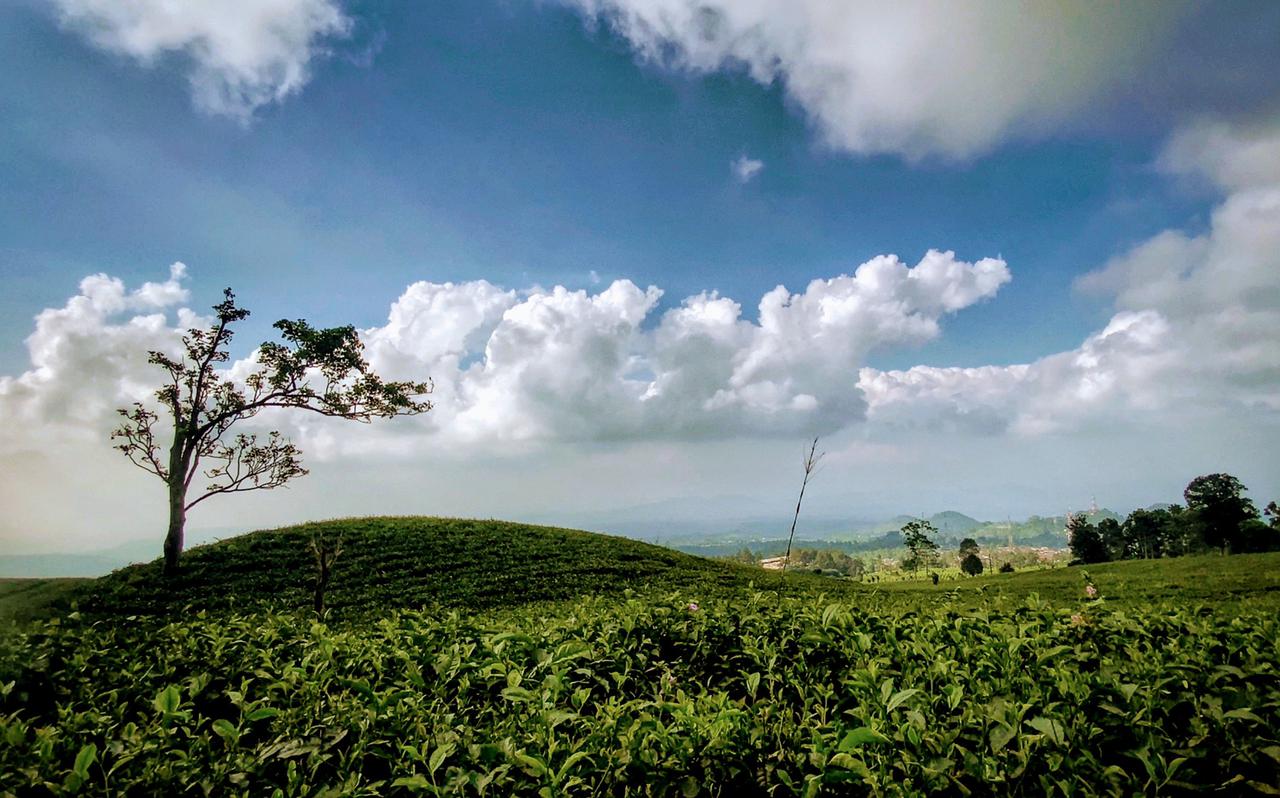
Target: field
pixel 679 676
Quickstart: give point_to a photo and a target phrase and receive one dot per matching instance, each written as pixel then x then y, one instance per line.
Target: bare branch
pixel 139 440
pixel 244 465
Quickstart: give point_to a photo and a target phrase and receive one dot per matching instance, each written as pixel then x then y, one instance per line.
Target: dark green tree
pixel 1272 512
pixel 1112 534
pixel 1085 541
pixel 319 370
pixel 1256 535
pixel 1219 507
pixel 968 546
pixel 916 537
pixel 971 564
pixel 1148 534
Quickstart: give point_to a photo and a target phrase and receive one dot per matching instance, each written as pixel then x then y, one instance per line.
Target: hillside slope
pixel 391 563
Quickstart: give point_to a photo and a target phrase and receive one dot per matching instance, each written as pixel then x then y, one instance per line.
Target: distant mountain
pixel 98 562
pixel 950 522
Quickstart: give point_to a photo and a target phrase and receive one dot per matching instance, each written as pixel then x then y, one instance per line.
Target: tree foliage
pixel 1219 507
pixel 318 370
pixel 1085 541
pixel 916 536
pixel 971 564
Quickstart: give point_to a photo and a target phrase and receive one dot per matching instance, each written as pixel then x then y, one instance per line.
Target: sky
pixel 1001 263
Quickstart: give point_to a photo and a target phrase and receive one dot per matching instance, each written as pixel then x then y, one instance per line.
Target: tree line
pixel 1217 517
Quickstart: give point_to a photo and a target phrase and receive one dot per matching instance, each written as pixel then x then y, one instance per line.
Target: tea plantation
pixel 475 658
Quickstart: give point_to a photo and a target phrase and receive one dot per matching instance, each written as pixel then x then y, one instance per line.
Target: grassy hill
pixel 404 563
pixel 694 684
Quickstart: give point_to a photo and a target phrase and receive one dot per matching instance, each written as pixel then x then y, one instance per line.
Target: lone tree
pixel 1085 540
pixel 971 565
pixel 323 371
pixel 1220 507
pixel 916 537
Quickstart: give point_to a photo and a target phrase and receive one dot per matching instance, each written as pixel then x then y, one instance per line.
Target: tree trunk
pixel 322 583
pixel 177 526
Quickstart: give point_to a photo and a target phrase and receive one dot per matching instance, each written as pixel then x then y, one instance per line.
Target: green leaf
pixel 87 756
pixel 438 756
pixel 1050 728
pixel 862 735
pixel 168 700
pixel 1242 714
pixel 898 699
pixel 517 694
pixel 1000 736
pixel 262 713
pixel 847 762
pixel 415 782
pixel 226 730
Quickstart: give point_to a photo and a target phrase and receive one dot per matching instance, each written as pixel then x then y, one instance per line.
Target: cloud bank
pixel 240 54
pixel 1196 328
pixel 543 365
pixel 914 78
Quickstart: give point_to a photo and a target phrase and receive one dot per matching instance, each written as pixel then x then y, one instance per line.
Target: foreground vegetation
pixel 1014 684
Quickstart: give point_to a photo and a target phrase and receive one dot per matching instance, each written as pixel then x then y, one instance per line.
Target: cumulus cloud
pixel 569 365
pixel 534 366
pixel 745 168
pixel 1197 327
pixel 916 78
pixel 86 360
pixel 240 54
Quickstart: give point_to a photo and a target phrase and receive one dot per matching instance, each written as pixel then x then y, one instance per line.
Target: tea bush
pixel 744 692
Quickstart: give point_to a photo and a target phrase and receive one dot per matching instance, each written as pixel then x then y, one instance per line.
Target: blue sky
pixel 509 142
pixel 536 144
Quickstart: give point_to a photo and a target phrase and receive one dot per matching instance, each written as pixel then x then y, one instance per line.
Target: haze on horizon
pixel 645 249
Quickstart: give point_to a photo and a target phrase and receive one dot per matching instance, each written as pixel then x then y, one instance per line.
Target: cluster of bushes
pixel 1217 517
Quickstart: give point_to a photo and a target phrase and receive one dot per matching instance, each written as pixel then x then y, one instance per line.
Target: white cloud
pixel 744 168
pixel 1231 156
pixel 916 77
pixel 535 366
pixel 241 54
pixel 569 365
pixel 1196 332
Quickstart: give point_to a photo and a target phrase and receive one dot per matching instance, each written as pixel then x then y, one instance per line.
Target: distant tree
pixel 1219 507
pixel 1085 541
pixel 968 546
pixel 745 556
pixel 971 564
pixel 916 537
pixel 1112 534
pixel 810 466
pixel 857 568
pixel 1006 568
pixel 1272 512
pixel 1255 535
pixel 205 404
pixel 1148 534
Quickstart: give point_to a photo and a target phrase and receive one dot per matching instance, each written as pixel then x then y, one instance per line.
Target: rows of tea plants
pixel 642 695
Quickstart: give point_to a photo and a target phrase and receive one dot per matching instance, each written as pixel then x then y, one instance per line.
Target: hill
pixel 403 563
